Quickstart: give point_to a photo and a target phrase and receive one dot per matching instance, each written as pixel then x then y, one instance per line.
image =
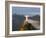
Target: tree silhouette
pixel 28 26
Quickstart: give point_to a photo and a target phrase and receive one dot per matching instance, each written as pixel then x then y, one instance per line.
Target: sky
pixel 26 10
